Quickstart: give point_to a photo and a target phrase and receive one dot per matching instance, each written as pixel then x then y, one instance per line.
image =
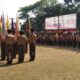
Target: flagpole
pixel 3 31
pixel 12 24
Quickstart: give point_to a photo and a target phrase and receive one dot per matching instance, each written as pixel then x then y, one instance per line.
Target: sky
pixel 10 7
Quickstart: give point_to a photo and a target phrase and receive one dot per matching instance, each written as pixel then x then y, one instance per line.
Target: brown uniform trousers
pixel 21 53
pixel 32 39
pixel 32 51
pixel 26 47
pixel 3 50
pixel 9 50
pixel 21 43
pixel 15 51
pixel 3 47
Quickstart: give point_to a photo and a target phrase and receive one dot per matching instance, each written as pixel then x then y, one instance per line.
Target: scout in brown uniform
pixel 21 41
pixel 9 47
pixel 32 39
pixel 14 46
pixel 78 41
pixel 3 48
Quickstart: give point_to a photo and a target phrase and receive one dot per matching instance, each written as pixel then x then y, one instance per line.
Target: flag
pixel 17 23
pixel 0 23
pixel 3 30
pixel 28 24
pixel 7 23
pixel 17 26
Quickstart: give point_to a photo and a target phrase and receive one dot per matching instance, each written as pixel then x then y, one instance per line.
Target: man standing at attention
pixel 21 44
pixel 32 39
pixel 9 46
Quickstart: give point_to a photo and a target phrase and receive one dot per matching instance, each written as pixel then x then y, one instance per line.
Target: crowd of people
pixel 64 39
pixel 13 44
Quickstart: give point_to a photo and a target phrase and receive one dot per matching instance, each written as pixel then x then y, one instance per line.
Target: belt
pixel 9 44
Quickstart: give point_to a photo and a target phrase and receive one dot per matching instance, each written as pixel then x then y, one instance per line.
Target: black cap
pixel 32 30
pixel 21 32
pixel 9 31
pixel 13 31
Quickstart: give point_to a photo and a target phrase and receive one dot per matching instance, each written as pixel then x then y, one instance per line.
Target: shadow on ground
pixel 2 64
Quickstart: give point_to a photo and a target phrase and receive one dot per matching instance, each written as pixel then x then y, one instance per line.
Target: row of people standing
pixel 62 39
pixel 13 44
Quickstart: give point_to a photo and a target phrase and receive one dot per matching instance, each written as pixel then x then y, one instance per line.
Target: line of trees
pixel 47 8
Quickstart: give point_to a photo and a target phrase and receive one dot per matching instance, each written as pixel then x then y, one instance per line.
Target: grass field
pixel 51 63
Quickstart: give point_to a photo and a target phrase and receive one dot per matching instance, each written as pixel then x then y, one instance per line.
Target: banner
pixel 51 23
pixel 61 22
pixel 67 21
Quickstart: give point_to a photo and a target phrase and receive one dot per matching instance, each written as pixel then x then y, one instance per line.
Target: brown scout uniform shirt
pixel 32 38
pixel 22 40
pixel 10 39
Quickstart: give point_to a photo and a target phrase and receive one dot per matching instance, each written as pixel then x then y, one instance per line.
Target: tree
pixel 46 8
pixel 68 2
pixel 40 10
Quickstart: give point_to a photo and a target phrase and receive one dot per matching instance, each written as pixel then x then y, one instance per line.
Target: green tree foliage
pixel 46 8
pixel 77 0
pixel 39 9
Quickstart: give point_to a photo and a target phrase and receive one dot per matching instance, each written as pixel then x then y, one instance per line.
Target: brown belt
pixel 9 44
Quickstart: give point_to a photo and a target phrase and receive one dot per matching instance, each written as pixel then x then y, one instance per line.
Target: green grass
pixel 50 64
